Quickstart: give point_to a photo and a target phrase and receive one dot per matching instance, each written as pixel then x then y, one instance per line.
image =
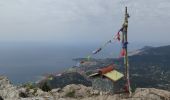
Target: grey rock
pixel 7 90
pixel 81 92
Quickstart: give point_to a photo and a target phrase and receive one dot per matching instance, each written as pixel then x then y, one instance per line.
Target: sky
pixel 83 21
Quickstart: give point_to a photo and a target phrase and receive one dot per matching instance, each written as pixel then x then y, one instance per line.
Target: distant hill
pixel 140 51
pixel 149 67
pixel 148 50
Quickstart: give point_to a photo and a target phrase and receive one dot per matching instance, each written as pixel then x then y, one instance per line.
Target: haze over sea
pixel 23 62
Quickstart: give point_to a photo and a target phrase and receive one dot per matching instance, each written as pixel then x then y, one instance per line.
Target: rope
pixel 115 38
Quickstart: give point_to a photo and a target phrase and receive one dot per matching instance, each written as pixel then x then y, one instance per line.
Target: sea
pixel 28 62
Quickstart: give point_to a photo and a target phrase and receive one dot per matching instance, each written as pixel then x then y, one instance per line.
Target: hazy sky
pixel 83 21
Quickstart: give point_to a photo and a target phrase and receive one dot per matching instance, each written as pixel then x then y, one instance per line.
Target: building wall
pixel 103 84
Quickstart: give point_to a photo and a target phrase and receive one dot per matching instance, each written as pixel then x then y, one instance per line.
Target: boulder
pixel 7 90
pixel 78 91
pixel 152 93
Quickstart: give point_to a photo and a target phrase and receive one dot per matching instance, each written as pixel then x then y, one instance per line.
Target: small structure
pixel 104 78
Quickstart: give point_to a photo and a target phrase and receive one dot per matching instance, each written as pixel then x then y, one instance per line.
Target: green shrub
pixel 70 94
pixel 22 94
pixel 29 85
pixel 45 87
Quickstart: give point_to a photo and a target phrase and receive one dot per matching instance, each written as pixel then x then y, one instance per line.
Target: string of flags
pixel 116 37
pixel 96 51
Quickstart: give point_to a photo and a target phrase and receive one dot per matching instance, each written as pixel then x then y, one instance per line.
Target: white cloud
pixel 89 20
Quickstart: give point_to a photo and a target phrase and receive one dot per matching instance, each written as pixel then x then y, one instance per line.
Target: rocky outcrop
pixel 152 94
pixel 7 90
pixel 75 92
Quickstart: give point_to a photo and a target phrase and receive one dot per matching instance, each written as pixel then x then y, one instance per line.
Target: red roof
pixel 106 69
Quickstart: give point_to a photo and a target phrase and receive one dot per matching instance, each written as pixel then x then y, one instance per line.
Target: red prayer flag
pixel 123 53
pixel 118 36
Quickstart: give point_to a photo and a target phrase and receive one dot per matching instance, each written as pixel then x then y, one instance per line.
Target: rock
pixel 78 91
pixel 40 92
pixel 75 92
pixel 95 92
pixel 66 99
pixel 7 90
pixel 71 88
pixel 56 90
pixel 152 93
pixel 23 93
pixel 104 97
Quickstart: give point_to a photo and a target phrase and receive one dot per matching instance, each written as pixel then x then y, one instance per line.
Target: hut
pixel 104 79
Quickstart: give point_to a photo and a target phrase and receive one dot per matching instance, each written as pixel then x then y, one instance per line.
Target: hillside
pixel 149 67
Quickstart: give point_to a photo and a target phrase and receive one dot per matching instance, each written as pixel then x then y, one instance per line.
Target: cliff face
pixel 75 92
